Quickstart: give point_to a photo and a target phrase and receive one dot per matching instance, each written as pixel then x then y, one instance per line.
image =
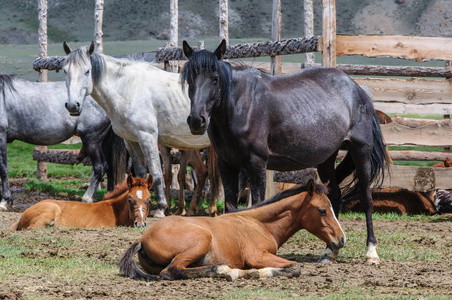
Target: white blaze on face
pixel 140 209
pixel 140 194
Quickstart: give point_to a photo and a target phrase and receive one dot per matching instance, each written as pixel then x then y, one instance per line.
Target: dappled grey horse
pixel 35 113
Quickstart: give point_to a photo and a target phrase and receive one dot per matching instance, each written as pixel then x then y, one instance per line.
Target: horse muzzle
pixel 137 224
pixel 336 245
pixel 74 109
pixel 198 125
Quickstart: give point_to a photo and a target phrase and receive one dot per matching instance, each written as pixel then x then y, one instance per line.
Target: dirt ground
pixel 348 277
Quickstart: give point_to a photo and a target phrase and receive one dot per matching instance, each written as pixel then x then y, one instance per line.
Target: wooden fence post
pixel 98 19
pixel 42 33
pixel 329 33
pixel 224 25
pixel 309 28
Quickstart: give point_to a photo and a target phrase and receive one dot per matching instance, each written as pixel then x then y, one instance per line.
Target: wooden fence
pixel 426 93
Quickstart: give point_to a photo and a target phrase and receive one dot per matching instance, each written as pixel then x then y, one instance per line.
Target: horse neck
pixel 105 90
pixel 283 218
pixel 120 207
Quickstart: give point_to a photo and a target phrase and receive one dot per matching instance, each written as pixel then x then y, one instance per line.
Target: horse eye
pixel 215 80
pixel 322 211
pixel 87 72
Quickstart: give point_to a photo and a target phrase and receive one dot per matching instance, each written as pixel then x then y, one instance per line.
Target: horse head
pixel 139 199
pixel 205 78
pixel 319 219
pixel 79 81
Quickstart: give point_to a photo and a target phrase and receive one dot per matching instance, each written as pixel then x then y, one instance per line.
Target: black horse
pixel 256 121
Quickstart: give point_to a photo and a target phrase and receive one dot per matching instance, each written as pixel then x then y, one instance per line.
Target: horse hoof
pixel 3 206
pixel 191 212
pixel 325 260
pixel 159 214
pixel 87 199
pixel 372 261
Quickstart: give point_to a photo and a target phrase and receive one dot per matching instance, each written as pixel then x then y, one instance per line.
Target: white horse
pixel 145 104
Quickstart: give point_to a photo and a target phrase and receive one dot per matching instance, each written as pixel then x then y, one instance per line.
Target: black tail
pixel 115 153
pixel 129 268
pixel 379 158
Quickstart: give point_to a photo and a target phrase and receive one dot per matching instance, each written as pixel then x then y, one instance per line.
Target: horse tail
pixel 129 268
pixel 15 226
pixel 379 157
pixel 115 152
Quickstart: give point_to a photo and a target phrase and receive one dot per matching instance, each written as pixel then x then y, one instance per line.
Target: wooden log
pixel 414 123
pixel 98 19
pixel 402 108
pixel 377 70
pixel 276 61
pixel 290 46
pixel 297 177
pixel 224 25
pixel 412 155
pixel 429 135
pixel 417 91
pixel 41 171
pixel 309 27
pixel 407 47
pixel 418 179
pixel 59 156
pixel 329 33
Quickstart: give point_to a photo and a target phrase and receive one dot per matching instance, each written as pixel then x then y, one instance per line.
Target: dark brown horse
pixel 294 121
pixel 127 205
pixel 232 244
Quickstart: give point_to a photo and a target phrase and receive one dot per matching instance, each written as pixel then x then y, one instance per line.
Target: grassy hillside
pixel 73 20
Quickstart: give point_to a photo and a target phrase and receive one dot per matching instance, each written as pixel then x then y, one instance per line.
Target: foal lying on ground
pixel 236 245
pixel 127 205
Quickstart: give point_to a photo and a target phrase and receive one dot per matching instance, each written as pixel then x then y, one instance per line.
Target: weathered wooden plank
pixel 407 47
pixel 410 91
pixel 418 179
pixel 401 108
pixel 412 155
pixel 429 135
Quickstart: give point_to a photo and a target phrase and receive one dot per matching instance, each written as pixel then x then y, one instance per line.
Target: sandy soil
pixel 347 277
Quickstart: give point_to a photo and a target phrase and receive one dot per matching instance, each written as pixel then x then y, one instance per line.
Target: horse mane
pixel 122 187
pixel 98 62
pixel 7 82
pixel 320 188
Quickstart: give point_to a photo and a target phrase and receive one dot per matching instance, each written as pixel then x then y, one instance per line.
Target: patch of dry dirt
pixel 348 276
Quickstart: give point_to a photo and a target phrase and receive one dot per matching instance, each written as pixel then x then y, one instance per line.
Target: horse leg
pixel 200 170
pixel 98 162
pixel 363 171
pixel 327 174
pixel 6 191
pixel 167 174
pixel 268 265
pixel 216 185
pixel 149 148
pixel 181 179
pixel 257 176
pixel 230 178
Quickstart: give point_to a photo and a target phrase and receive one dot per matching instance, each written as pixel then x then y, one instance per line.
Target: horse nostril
pixel 203 120
pixel 78 104
pixel 136 224
pixel 343 240
pixel 65 105
pixel 188 120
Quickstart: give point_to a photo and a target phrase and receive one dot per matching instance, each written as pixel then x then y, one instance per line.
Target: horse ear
pixel 311 187
pixel 188 51
pixel 149 181
pixel 221 50
pixel 66 48
pixel 129 180
pixel 91 49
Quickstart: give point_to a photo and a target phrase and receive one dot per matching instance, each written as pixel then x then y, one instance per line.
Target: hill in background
pixel 73 20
